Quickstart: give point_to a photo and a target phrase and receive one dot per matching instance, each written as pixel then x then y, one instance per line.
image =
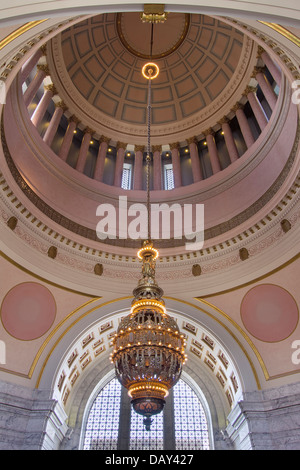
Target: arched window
pixel 182 426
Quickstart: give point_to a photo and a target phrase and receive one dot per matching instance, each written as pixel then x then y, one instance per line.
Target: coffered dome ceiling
pixel 96 67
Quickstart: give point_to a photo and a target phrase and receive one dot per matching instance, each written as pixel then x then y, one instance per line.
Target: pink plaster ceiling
pixel 197 55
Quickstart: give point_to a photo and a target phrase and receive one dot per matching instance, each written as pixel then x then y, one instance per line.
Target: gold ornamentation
pixel 256 71
pixel 244 254
pixel 249 89
pixel 139 148
pixel 236 107
pixel 51 88
pixel 196 270
pixel 105 139
pixel 52 252
pixel 156 148
pixel 62 105
pixel 209 131
pixel 154 13
pixel 174 146
pixel 90 131
pixel 121 145
pixel 12 223
pixel 75 119
pixel 224 120
pixel 192 140
pixel 98 269
pixel 44 68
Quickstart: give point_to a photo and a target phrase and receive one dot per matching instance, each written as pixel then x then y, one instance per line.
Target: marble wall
pixel 267 420
pixel 29 419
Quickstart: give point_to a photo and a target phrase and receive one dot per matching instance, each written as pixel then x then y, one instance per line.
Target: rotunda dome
pixel 75 138
pixel 96 67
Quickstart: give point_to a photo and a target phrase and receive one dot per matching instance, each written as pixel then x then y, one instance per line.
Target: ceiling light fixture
pixel 148 348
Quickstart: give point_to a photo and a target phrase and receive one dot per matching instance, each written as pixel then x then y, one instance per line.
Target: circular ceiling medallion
pixel 28 311
pixel 269 313
pixel 167 37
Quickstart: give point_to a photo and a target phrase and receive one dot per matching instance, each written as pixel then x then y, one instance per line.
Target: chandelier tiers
pixel 148 347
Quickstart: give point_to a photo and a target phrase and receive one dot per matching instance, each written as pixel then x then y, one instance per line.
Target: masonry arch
pixel 219 364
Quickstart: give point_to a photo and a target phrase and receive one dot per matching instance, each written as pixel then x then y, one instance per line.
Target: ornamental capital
pixel 224 120
pixel 121 145
pixel 256 71
pixel 175 145
pixel 88 130
pixel 44 49
pixel 237 106
pixel 156 148
pixel 105 139
pixel 249 89
pixel 209 131
pixel 139 148
pixel 75 119
pixel 61 104
pixel 192 140
pixel 51 88
pixel 44 68
pixel 260 51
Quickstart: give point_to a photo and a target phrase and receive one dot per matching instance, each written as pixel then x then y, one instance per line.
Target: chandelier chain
pixel 149 139
pixel 148 160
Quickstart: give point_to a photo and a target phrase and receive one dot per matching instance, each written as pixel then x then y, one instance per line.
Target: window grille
pixel 169 177
pixel 102 428
pixel 191 428
pixel 126 176
pixel 189 422
pixel 140 439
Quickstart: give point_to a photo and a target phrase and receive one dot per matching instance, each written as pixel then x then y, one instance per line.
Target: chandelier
pixel 148 348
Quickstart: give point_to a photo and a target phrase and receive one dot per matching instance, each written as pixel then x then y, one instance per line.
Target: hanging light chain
pixel 150 73
pixel 148 157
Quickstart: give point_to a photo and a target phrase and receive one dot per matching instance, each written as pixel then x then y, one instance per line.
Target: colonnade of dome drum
pixel 194 160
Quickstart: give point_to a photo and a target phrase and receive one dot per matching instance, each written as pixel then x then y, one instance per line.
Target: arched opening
pixel 111 424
